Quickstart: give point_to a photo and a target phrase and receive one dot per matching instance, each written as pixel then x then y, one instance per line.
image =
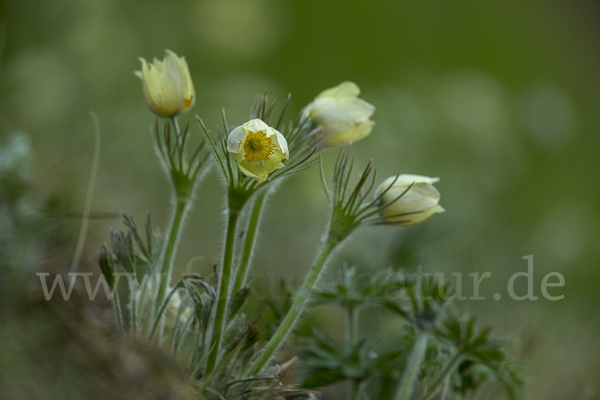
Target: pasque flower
pixel 343 116
pixel 167 85
pixel 411 199
pixel 257 148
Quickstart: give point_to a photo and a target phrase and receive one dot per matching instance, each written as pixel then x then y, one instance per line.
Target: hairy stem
pixel 412 368
pixel 223 295
pixel 174 232
pixel 242 272
pixel 297 307
pixel 450 367
pixel 173 237
pixel 351 333
pixel 175 124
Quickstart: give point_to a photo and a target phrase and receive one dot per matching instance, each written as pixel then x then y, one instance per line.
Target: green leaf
pixel 322 377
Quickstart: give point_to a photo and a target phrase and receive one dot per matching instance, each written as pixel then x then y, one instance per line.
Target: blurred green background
pixel 499 98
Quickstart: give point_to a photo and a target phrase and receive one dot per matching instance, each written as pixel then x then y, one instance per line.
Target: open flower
pixel 167 85
pixel 409 204
pixel 257 148
pixel 342 115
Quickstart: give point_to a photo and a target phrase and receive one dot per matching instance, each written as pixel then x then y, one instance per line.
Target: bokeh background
pixel 499 98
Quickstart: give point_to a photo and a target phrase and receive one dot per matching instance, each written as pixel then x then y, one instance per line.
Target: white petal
pixel 236 139
pixel 419 197
pixel 282 143
pixel 406 180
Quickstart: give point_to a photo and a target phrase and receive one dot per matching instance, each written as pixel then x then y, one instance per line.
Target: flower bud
pixel 172 310
pixel 419 201
pixel 342 115
pixel 167 85
pixel 257 148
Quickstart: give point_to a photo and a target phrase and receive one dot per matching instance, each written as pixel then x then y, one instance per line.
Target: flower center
pixel 258 147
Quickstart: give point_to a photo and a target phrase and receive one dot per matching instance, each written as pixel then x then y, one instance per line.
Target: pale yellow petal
pixel 344 89
pixel 253 171
pixel 355 134
pixel 257 125
pixel 349 111
pixel 343 116
pixel 167 85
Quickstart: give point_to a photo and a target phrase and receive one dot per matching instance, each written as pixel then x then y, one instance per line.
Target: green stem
pixel 223 295
pixel 351 327
pixel 242 272
pixel 450 367
pixel 173 236
pixel 174 232
pixel 412 369
pixel 175 124
pixel 292 316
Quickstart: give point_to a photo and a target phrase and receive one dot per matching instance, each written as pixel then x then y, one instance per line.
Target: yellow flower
pixel 416 205
pixel 167 85
pixel 257 148
pixel 343 116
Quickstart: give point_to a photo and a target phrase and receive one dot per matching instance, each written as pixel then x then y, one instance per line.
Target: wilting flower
pixel 257 148
pixel 167 85
pixel 342 115
pixel 409 204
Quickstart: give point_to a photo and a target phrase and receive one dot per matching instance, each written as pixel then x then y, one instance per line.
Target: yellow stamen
pixel 258 147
